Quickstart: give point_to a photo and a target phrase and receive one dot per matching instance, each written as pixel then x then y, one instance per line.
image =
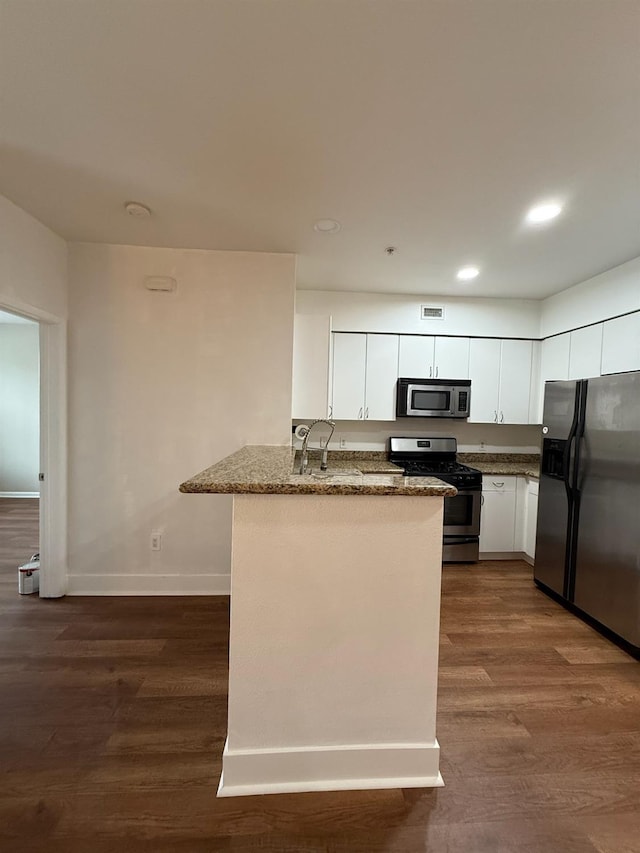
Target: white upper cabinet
pixel 381 377
pixel 349 374
pixel 311 342
pixel 585 353
pixel 415 359
pixel 500 373
pixel 515 382
pixel 484 372
pixel 365 372
pixel 427 357
pixel 554 364
pixel 451 358
pixel 621 344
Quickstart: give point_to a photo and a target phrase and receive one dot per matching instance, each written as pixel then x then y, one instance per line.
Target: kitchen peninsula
pixel 335 610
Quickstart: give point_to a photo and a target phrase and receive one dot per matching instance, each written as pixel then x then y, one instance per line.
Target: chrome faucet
pixel 305 440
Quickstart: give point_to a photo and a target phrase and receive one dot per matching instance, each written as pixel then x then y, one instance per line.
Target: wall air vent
pixel 432 312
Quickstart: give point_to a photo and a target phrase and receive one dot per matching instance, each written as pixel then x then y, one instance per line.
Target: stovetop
pixel 426 468
pixel 433 457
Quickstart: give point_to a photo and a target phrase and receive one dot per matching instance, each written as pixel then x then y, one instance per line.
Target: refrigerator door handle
pixel 566 463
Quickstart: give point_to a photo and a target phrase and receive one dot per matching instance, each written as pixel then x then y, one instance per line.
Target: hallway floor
pixel 19 538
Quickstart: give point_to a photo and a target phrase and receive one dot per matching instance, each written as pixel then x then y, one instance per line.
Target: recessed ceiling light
pixel 327 226
pixel 544 212
pixel 467 273
pixel 140 211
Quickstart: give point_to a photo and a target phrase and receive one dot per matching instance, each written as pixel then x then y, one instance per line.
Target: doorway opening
pixel 19 452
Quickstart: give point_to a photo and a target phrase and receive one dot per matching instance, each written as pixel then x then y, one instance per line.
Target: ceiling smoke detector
pixel 137 210
pixel 390 250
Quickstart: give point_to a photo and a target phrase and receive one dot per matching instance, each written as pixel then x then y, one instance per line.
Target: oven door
pixel 462 513
pixel 431 401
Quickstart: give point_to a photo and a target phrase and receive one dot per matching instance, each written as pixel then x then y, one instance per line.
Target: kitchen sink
pixel 331 473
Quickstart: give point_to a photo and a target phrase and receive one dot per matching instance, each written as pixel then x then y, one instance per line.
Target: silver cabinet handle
pixel 430 371
pixel 366 412
pixel 498 485
pixel 360 413
pixel 501 417
pixel 495 417
pixel 330 411
pixel 481 500
pixel 436 370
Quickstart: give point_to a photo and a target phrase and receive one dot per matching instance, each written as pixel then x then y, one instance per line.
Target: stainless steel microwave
pixel 433 398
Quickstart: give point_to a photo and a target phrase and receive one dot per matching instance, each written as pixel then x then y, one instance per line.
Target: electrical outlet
pixel 323 441
pixel 156 540
pixel 343 443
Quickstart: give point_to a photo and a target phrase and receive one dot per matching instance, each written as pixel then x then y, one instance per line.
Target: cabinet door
pixel 311 339
pixel 381 377
pixel 416 356
pixel 531 520
pixel 498 516
pixel 554 364
pixel 585 354
pixel 515 382
pixel 349 372
pixel 451 358
pixel 484 373
pixel 621 344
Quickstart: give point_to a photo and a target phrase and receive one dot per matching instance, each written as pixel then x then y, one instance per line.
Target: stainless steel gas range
pixel 433 456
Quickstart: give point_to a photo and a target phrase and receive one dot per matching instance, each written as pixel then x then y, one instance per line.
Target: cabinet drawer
pixel 498 483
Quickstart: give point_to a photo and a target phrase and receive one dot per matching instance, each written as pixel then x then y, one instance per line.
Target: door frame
pixel 53 445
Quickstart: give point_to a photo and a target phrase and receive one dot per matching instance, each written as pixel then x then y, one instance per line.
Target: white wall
pixel 610 294
pixel 380 312
pixel 162 385
pixel 19 408
pixel 33 264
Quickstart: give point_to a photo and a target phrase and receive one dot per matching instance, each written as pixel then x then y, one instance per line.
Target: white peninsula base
pixel 335 611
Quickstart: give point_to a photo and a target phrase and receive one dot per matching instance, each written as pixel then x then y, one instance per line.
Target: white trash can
pixel 29 576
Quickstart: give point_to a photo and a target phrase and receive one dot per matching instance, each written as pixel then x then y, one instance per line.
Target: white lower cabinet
pixel 530 518
pixel 509 516
pixel 498 514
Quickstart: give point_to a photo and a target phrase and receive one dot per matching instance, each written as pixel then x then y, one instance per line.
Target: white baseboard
pixel 19 494
pixel 341 768
pixel 150 584
pixel 504 555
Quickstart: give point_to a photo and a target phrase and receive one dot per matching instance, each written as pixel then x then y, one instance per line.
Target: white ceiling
pixel 430 125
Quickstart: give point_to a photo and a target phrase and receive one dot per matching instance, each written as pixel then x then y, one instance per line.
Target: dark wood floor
pixel 112 722
pixel 18 538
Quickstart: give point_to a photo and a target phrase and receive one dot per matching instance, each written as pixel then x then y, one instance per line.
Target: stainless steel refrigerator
pixel 588 535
